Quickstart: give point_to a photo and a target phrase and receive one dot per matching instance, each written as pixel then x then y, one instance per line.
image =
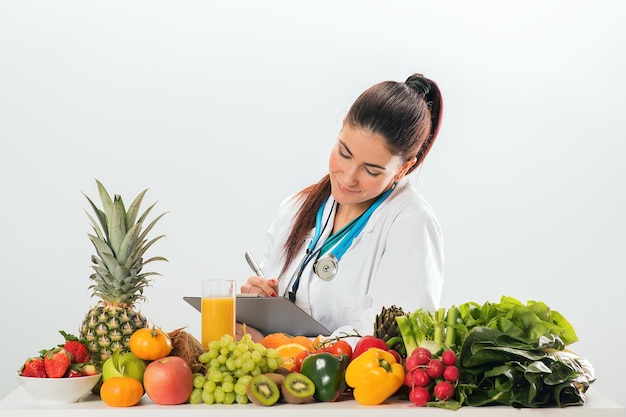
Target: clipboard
pixel 272 315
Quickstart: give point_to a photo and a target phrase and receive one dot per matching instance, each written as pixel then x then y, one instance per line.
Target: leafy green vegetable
pixel 500 369
pixel 525 322
pixel 506 352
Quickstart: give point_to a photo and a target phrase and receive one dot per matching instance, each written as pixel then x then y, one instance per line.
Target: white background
pixel 223 108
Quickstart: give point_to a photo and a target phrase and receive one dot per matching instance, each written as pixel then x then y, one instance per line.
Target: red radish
pixel 409 381
pixel 420 378
pixel 419 396
pixel 435 368
pixel 443 390
pixel 423 355
pixel 448 358
pixel 451 373
pixel 411 363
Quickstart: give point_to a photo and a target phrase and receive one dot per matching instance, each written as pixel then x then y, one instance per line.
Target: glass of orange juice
pixel 218 309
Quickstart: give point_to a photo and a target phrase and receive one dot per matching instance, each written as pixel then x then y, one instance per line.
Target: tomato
pixel 121 391
pixel 298 360
pixel 150 344
pixel 341 347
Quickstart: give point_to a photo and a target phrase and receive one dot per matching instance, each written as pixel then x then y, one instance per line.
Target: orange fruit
pixel 150 343
pixel 318 342
pixel 121 392
pixel 274 340
pixel 288 353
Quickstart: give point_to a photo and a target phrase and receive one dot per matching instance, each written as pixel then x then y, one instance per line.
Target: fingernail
pixel 272 282
pixel 273 294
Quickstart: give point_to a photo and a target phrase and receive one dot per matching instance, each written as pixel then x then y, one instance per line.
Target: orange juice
pixel 218 318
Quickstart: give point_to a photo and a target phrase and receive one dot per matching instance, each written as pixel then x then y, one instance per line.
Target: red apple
pixel 168 381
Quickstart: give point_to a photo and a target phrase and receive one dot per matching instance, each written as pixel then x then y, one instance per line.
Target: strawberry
pixel 88 369
pixel 34 367
pixel 73 373
pixel 78 350
pixel 57 361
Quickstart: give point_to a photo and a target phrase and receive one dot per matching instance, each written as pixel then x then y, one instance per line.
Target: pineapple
pixel 118 279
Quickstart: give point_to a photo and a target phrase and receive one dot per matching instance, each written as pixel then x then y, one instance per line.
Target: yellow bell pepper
pixel 374 376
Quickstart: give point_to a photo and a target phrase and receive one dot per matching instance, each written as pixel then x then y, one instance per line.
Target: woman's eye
pixel 343 154
pixel 373 174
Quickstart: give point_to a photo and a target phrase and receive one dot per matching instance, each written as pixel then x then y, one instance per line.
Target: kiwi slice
pixel 298 389
pixel 262 390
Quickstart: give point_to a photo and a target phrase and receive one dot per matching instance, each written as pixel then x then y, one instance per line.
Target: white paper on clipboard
pixel 272 315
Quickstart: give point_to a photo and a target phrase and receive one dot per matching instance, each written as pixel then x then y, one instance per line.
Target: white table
pixel 21 403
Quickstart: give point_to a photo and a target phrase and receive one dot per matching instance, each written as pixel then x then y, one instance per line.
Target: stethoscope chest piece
pixel 326 268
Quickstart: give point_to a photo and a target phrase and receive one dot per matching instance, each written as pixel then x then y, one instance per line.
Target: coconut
pixel 188 348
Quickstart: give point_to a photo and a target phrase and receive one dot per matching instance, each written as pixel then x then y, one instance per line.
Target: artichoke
pixel 386 328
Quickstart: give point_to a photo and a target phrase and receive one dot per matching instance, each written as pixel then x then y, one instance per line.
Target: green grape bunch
pixel 230 367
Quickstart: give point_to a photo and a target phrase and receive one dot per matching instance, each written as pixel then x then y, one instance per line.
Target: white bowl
pixel 59 390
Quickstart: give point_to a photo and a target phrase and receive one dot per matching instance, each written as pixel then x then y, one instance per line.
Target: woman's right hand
pixel 260 285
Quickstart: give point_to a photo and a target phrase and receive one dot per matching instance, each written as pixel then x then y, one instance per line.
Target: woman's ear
pixel 404 169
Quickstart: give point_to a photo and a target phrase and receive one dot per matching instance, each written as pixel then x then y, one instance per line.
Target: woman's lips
pixel 344 189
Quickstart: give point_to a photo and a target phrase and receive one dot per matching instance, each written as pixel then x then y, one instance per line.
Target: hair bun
pixel 419 84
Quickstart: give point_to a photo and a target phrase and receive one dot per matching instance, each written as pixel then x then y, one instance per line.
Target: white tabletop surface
pixel 21 403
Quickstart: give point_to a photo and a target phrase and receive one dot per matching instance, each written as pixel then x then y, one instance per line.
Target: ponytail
pixel 429 91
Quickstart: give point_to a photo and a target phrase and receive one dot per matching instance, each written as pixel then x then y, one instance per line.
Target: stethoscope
pixel 326 267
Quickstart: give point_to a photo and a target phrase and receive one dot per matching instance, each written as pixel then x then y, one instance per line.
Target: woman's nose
pixel 350 176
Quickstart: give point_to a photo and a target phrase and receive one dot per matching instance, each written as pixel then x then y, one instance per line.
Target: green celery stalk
pixel 451 319
pixel 405 325
pixel 440 315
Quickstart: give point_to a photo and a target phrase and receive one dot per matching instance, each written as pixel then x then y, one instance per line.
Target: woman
pixel 363 238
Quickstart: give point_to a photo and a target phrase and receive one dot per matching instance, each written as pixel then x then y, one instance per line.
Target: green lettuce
pixel 506 356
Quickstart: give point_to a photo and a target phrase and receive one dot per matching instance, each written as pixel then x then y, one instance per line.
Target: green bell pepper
pixel 328 373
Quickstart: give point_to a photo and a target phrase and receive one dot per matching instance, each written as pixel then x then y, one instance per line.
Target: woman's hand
pixel 259 285
pixel 254 333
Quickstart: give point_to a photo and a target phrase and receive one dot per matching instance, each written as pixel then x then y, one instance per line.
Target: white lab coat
pixel 396 260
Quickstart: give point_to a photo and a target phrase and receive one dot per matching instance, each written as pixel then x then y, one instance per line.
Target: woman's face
pixel 361 167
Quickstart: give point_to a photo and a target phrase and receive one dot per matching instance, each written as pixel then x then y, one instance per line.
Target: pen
pixel 255 267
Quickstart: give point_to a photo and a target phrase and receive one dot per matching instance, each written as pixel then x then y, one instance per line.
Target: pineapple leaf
pixel 150 226
pixel 121 273
pixel 128 244
pixel 107 203
pixel 101 246
pixel 101 217
pixel 155 258
pixel 145 214
pixel 96 227
pixel 133 210
pixel 117 225
pixel 104 251
pixel 143 248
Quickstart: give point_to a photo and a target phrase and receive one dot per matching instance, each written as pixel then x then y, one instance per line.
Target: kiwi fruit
pixel 262 390
pixel 298 389
pixel 282 370
pixel 278 378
